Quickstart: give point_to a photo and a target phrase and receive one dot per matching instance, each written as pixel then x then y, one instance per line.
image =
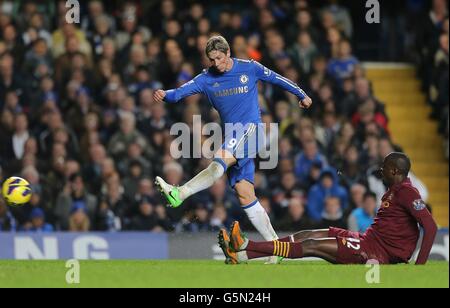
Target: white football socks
pixel 260 220
pixel 203 180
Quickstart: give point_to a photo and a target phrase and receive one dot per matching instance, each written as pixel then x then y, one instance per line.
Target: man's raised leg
pixel 205 179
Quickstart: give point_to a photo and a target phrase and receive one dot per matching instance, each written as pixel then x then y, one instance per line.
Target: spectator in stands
pixel 196 220
pixel 357 192
pixel 39 54
pixel 332 215
pixel 303 23
pixel 6 129
pixel 95 9
pixel 10 79
pixel 303 52
pixel 145 189
pixel 439 100
pixel 128 134
pixel 55 123
pixel 351 171
pixel 314 175
pixel 13 41
pixel 361 218
pixel 103 27
pixel 287 189
pixel 90 135
pixel 283 115
pixel 341 16
pixel 343 66
pixel 330 47
pixel 367 113
pixel 295 218
pixel 135 153
pixel 219 219
pixel 78 219
pixel 369 156
pixel 146 220
pixel 163 219
pixel 173 171
pixel 71 200
pixel 7 220
pixel 82 107
pixel 112 207
pixel 37 222
pixel 67 40
pixel 14 148
pixel 93 169
pixel 306 158
pixel 133 177
pixel 328 186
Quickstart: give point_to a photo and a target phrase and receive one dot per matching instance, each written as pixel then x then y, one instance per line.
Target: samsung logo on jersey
pixel 232 91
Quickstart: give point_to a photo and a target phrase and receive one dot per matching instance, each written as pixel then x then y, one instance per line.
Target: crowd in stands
pixel 432 60
pixel 78 120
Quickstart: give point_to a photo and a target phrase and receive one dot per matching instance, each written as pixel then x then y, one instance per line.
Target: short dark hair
pixel 75 176
pixel 370 194
pixel 401 162
pixel 325 174
pixel 218 43
pixel 135 163
pixel 39 40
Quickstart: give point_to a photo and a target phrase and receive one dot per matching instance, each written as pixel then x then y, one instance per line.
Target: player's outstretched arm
pixel 191 87
pixel 267 75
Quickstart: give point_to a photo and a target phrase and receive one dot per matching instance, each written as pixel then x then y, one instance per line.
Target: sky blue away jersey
pixel 234 94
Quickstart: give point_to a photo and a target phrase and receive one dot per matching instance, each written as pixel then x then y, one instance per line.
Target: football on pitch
pixel 16 191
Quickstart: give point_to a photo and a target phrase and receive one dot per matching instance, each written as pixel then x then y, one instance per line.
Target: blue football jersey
pixel 234 94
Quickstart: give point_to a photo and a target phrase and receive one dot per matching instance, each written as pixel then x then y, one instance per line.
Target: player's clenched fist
pixel 159 95
pixel 305 103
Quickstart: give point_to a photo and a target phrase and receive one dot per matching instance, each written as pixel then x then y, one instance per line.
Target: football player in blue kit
pixel 231 86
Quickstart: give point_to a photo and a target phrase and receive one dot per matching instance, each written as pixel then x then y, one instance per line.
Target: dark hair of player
pixel 400 161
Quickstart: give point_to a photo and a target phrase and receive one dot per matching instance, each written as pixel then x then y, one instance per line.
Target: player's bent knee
pixel 246 199
pixel 245 202
pixel 246 195
pixel 226 157
pixel 216 169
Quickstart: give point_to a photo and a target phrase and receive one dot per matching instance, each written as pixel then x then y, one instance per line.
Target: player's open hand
pixel 159 95
pixel 305 103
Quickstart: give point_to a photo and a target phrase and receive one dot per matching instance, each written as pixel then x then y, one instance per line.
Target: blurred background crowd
pixel 78 121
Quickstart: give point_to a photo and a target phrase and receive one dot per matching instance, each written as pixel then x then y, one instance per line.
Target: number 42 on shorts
pixel 352 243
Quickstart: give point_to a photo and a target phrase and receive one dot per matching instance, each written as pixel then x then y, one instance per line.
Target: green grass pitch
pixel 215 274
